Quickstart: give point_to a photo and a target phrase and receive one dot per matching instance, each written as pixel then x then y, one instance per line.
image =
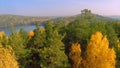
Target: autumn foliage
pixel 98 53
pixel 31 33
pixel 118 44
pixel 2 33
pixel 7 58
pixel 55 42
pixel 75 55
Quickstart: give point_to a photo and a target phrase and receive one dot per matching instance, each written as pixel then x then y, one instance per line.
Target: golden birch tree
pixel 98 53
pixel 31 34
pixel 75 55
pixel 7 58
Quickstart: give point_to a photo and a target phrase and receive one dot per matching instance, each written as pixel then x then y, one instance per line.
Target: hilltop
pixel 6 19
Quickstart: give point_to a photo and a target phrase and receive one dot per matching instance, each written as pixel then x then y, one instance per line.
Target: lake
pixel 7 30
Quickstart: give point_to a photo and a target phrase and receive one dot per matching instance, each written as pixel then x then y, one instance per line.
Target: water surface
pixel 7 30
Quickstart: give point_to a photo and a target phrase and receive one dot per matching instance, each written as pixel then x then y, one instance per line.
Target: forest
pixel 86 40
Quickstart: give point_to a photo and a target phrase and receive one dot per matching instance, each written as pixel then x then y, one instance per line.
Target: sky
pixel 59 7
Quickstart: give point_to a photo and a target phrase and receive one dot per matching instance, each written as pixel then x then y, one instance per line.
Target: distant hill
pixel 115 17
pixel 5 20
pixel 95 17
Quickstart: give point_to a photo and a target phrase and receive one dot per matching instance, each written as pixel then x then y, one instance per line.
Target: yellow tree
pixel 3 38
pixel 7 58
pixel 118 43
pixel 42 29
pixel 75 55
pixel 31 34
pixel 2 33
pixel 98 53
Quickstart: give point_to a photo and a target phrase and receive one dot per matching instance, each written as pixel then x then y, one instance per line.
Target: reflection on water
pixel 7 30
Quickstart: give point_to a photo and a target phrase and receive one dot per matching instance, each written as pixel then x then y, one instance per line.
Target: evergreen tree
pixel 18 41
pixel 46 49
pixel 49 31
pixel 35 46
pixel 86 14
pixel 54 53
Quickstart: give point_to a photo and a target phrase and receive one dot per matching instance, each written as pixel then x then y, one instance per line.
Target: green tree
pixel 18 41
pixel 106 29
pixel 35 45
pixel 77 31
pixel 87 14
pixel 49 31
pixel 46 49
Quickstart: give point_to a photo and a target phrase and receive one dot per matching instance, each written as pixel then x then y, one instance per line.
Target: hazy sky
pixel 58 7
